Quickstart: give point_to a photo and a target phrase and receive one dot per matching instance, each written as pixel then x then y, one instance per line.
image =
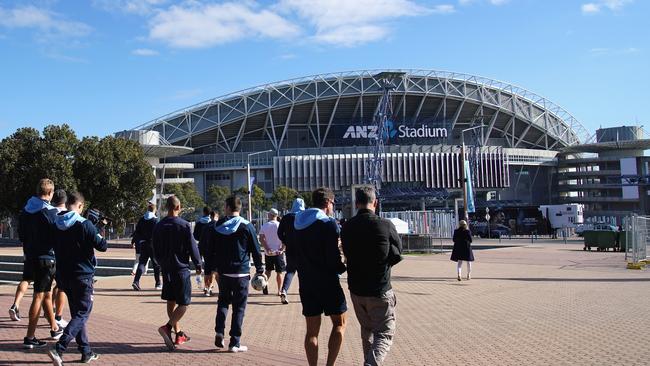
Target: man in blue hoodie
pixel 286 233
pixel 35 232
pixel 142 237
pixel 199 227
pixel 230 245
pixel 76 241
pixel 173 246
pixel 319 268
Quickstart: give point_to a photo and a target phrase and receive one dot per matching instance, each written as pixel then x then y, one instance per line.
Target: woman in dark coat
pixel 462 249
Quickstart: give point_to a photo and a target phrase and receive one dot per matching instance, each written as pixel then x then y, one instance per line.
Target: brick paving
pixel 540 304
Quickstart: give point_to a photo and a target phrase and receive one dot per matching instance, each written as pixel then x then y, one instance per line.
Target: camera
pixel 98 218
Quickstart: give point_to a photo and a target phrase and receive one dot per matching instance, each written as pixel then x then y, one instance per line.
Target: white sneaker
pixel 237 349
pixel 62 323
pixel 55 357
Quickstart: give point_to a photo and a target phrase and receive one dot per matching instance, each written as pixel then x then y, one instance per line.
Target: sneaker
pixel 205 291
pixel 158 287
pixel 218 340
pixel 459 279
pixel 181 337
pixel 136 286
pixel 14 314
pixel 469 277
pixel 210 293
pixel 89 357
pixel 29 343
pixel 237 349
pixel 265 291
pixel 55 356
pixel 62 323
pixel 56 334
pixel 166 333
pixel 283 298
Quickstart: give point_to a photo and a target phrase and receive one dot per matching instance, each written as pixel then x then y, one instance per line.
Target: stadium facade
pixel 319 130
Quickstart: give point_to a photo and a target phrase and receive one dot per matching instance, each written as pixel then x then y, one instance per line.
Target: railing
pixel 427 229
pixel 637 238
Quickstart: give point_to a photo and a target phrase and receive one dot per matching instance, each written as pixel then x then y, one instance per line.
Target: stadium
pixel 318 131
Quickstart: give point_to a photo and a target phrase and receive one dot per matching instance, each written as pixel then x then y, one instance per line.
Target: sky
pixel 103 66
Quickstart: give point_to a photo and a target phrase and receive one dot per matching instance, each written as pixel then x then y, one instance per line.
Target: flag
pixel 250 185
pixel 468 189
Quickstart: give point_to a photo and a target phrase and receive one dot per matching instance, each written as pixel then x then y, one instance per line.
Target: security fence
pixel 427 229
pixel 637 238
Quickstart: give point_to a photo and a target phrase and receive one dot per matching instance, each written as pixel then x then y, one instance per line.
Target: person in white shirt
pixel 273 250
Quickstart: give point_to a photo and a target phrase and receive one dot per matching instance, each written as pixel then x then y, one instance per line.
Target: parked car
pixel 496 230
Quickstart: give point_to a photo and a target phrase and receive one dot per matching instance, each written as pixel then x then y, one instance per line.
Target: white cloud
pixel 144 52
pixel 498 2
pixel 141 7
pixel 350 23
pixel 604 51
pixel 491 2
pixel 195 25
pixel 596 7
pixel 46 22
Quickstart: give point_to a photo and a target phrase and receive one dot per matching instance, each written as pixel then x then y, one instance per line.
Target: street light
pixel 464 178
pixel 248 181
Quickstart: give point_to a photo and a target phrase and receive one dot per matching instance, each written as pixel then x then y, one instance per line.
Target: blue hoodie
pixel 144 230
pixel 76 239
pixel 318 256
pixel 287 231
pixel 199 227
pixel 230 245
pixel 35 227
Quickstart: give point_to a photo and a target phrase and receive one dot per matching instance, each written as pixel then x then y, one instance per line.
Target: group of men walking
pixel 308 242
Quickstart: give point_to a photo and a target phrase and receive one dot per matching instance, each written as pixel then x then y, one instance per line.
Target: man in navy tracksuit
pixel 75 242
pixel 142 237
pixel 319 268
pixel 36 233
pixel 203 222
pixel 286 233
pixel 173 246
pixel 230 245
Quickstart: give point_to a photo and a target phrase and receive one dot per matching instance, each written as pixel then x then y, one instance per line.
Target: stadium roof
pixel 510 113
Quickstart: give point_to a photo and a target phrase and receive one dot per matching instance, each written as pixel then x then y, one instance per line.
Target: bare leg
pixel 311 339
pixel 20 292
pixel 34 313
pixel 49 311
pixel 59 301
pixel 176 317
pixel 207 280
pixel 336 338
pixel 278 279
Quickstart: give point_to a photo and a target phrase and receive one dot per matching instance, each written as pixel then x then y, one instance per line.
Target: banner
pixel 468 188
pixel 250 185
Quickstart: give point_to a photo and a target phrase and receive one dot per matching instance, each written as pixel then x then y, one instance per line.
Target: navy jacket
pixel 199 227
pixel 287 234
pixel 318 256
pixel 144 230
pixel 75 242
pixel 173 245
pixel 36 229
pixel 230 243
pixel 371 246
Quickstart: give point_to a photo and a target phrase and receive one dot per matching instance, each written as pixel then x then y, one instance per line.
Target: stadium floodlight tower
pixel 377 140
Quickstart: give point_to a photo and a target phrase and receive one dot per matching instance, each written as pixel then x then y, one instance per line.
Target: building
pixel 318 130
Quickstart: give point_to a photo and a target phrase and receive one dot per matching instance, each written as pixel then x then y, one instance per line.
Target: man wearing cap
pixel 142 236
pixel 273 250
pixel 286 233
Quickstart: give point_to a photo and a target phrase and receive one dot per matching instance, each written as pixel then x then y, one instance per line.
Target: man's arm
pixel 93 237
pixel 254 248
pixel 395 249
pixel 194 250
pixel 332 253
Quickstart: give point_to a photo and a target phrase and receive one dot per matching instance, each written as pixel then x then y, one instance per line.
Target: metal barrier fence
pixel 637 238
pixel 427 229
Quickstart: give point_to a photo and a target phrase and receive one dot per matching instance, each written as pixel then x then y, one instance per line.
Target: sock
pixel 57 317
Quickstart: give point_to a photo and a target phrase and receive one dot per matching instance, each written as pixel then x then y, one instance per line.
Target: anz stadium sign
pixel 396 132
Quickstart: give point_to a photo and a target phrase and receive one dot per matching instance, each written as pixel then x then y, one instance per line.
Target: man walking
pixel 319 268
pixel 35 231
pixel 286 234
pixel 76 241
pixel 143 237
pixel 371 246
pixel 173 246
pixel 59 201
pixel 230 245
pixel 273 250
pixel 200 226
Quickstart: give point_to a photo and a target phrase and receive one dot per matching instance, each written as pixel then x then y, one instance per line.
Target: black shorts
pixel 209 266
pixel 177 287
pixel 274 263
pixel 28 271
pixel 292 264
pixel 319 299
pixel 44 271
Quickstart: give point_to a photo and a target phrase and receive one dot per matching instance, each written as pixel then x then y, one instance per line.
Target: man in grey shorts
pixel 372 246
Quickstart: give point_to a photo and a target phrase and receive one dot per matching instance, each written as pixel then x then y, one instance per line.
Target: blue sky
pixel 107 65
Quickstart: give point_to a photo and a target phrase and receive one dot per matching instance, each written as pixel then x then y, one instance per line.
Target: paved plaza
pixel 547 303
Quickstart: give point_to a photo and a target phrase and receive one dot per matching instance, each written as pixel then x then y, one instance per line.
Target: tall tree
pixel 258 201
pixel 114 175
pixel 191 201
pixel 283 196
pixel 217 196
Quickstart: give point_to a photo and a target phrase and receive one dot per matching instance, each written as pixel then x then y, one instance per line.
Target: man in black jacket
pixel 286 233
pixel 229 245
pixel 174 246
pixel 142 237
pixel 319 269
pixel 371 246
pixel 76 240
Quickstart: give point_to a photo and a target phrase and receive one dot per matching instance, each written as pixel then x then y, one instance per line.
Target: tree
pixel 306 196
pixel 258 197
pixel 283 197
pixel 26 157
pixel 113 174
pixel 217 196
pixel 191 202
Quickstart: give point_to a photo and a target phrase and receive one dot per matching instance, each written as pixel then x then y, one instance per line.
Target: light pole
pixel 464 178
pixel 248 181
